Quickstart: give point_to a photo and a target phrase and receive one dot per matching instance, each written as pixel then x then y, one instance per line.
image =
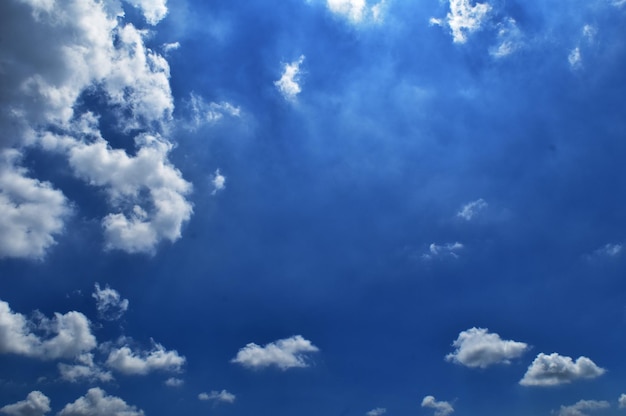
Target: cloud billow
pixel 285 354
pixel 555 369
pixel 478 348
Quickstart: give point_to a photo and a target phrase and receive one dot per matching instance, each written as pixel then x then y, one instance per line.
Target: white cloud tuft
pixel 97 403
pixel 379 411
pixel 554 369
pixel 284 354
pixel 36 404
pixel 622 401
pixel 288 84
pixel 84 369
pixel 202 112
pixel 476 347
pixel 441 408
pixel 109 303
pixel 443 250
pixel 464 18
pixel 471 209
pixel 153 10
pixel 174 382
pixel 218 182
pixel 575 58
pixel 353 9
pixel 218 396
pixel 580 408
pixel 128 362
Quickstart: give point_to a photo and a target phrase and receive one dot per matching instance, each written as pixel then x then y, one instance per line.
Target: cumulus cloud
pixel 109 303
pixel 153 10
pixel 288 84
pixel 129 362
pixel 463 18
pixel 379 411
pixel 471 209
pixel 174 382
pixel 284 354
pixel 97 403
pixel 218 181
pixel 32 213
pixel 65 335
pixel 84 369
pixel 441 408
pixel 443 250
pixel 581 408
pixel 218 396
pixel 622 401
pixel 36 404
pixel 555 369
pixel 476 347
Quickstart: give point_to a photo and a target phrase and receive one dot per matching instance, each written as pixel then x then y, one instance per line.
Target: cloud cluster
pixel 109 303
pixel 285 354
pixel 463 18
pixel 441 408
pixel 580 408
pixel 289 82
pixel 97 403
pixel 129 362
pixel 555 369
pixel 84 369
pixel 477 347
pixel 218 397
pixel 36 404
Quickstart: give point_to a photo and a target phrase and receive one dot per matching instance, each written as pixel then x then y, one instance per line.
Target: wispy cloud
pixel 218 397
pixel 582 407
pixel 109 303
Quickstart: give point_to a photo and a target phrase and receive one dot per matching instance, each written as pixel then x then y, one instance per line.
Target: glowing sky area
pixel 312 207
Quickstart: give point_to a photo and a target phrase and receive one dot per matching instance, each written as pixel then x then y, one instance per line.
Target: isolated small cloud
pixel 218 397
pixel 172 46
pixel 471 209
pixel 443 250
pixel 622 401
pixel 218 182
pixel 129 362
pixel 285 354
pixel 476 347
pixel 463 18
pixel 575 58
pixel 610 250
pixel 202 113
pixel 97 403
pixel 36 404
pixel 174 382
pixel 441 408
pixel 109 303
pixel 379 411
pixel 555 369
pixel 582 408
pixel 288 84
pixel 85 369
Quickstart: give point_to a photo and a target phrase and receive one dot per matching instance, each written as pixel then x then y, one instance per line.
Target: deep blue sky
pixel 391 200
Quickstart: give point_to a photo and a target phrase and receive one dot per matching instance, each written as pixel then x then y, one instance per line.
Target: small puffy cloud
pixel 582 407
pixel 97 403
pixel 575 58
pixel 174 382
pixel 471 209
pixel 32 212
pixel 172 46
pixel 67 335
pixel 218 182
pixel 218 397
pixel 622 401
pixel 36 404
pixel 84 369
pixel 288 84
pixel 109 303
pixel 153 10
pixel 129 362
pixel 379 411
pixel 463 18
pixel 555 369
pixel 284 354
pixel 443 250
pixel 441 408
pixel 476 347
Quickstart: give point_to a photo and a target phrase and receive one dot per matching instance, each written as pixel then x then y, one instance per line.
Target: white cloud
pixel 581 407
pixel 574 58
pixel 284 354
pixel 443 250
pixel 441 408
pixel 218 182
pixel 218 396
pixel 622 401
pixel 174 382
pixel 464 18
pixel 476 347
pixel 202 112
pixel 554 369
pixel 97 403
pixel 153 10
pixel 71 334
pixel 128 362
pixel 471 209
pixel 172 46
pixel 353 9
pixel 84 369
pixel 288 84
pixel 32 213
pixel 608 250
pixel 36 404
pixel 379 411
pixel 109 303
pixel 510 39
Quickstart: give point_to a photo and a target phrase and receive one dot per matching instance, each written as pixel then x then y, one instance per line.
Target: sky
pixel 312 207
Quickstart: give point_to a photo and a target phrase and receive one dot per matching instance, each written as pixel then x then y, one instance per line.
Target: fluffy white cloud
pixel 622 401
pixel 71 334
pixel 97 403
pixel 443 250
pixel 476 347
pixel 471 209
pixel 174 382
pixel 288 84
pixel 218 396
pixel 581 407
pixel 109 303
pixel 153 10
pixel 379 411
pixel 218 182
pixel 464 18
pixel 36 404
pixel 284 354
pixel 128 362
pixel 31 212
pixel 84 369
pixel 555 369
pixel 441 408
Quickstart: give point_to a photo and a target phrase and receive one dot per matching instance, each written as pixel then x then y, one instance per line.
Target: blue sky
pixel 339 207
